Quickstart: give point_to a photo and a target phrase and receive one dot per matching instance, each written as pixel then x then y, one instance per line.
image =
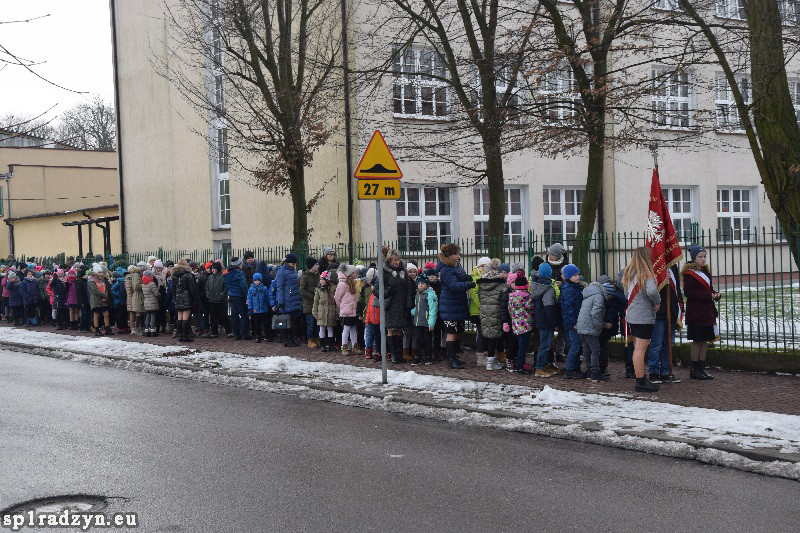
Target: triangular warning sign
pixel 378 161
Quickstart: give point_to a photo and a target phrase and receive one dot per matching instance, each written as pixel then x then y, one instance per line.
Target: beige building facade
pixel 45 187
pixel 175 173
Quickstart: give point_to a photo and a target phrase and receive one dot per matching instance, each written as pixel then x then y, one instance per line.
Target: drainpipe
pixel 8 209
pixel 115 61
pixel 347 131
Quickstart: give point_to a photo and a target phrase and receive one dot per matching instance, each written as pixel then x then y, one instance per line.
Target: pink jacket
pixel 344 298
pixel 72 297
pixel 5 290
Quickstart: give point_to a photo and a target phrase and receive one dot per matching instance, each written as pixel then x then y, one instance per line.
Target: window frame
pixel 723 99
pixel 562 99
pixel 423 220
pixel 482 220
pixel 730 9
pixel 789 17
pixel 667 5
pixel 413 75
pixel 684 235
pixel 547 216
pixel 733 215
pixel 665 80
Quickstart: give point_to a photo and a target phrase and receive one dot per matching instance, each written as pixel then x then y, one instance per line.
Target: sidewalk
pixel 712 422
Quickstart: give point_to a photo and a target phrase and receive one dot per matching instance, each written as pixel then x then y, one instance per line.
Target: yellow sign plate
pixel 378 189
pixel 378 161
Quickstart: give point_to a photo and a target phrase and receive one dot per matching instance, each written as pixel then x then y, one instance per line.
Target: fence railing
pixel 754 270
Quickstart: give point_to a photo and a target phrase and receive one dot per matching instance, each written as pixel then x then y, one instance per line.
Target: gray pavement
pixel 196 457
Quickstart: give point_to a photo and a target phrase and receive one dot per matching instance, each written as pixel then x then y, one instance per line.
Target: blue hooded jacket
pixel 455 282
pixel 29 290
pixel 118 292
pixel 571 300
pixel 258 296
pixel 287 291
pixel 236 283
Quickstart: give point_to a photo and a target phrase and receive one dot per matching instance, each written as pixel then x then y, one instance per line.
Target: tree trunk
pixel 594 186
pixel 774 118
pixel 297 191
pixel 497 196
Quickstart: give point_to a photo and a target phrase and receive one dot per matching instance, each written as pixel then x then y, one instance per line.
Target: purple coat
pixel 72 296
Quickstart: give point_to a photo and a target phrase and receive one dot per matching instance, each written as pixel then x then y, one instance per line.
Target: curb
pixel 752 460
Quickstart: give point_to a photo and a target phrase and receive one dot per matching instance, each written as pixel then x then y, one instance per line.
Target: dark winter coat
pixel 82 289
pixel 287 291
pixel 453 305
pixel 42 282
pixel 308 284
pixel 425 309
pixel 399 306
pixel 505 317
pixel 615 308
pixel 29 290
pixel 202 279
pixel 547 315
pixel 215 288
pixel 235 283
pixel 571 300
pixel 490 296
pixel 184 289
pixel 59 292
pixel 700 307
pixel 14 293
pixel 248 270
pixel 674 306
pixel 257 299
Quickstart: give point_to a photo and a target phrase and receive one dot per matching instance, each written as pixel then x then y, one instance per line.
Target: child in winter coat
pixel 346 297
pixel 308 284
pixel 520 309
pixel 615 305
pixel 152 303
pixel 29 289
pixel 119 297
pixel 216 294
pixel 423 314
pixel 439 336
pixel 590 325
pixel 547 315
pixel 45 306
pixel 571 301
pixel 371 316
pixel 72 299
pixel 258 305
pixel 14 297
pixel 491 287
pixel 58 285
pixel 325 311
pixel 99 300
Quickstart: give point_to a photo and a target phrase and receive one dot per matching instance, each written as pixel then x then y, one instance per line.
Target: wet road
pixel 195 457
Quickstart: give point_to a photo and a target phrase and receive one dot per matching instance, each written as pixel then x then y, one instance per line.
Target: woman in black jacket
pixel 395 285
pixel 187 298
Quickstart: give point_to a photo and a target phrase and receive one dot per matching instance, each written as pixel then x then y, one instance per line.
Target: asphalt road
pixel 196 457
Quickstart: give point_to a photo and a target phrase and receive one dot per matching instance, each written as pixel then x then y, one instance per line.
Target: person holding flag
pixel 666 250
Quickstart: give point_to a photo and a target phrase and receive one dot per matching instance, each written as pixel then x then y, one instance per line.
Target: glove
pixel 274 309
pixel 472 285
pixel 506 327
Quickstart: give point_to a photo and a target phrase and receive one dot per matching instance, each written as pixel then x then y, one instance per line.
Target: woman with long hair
pixel 641 289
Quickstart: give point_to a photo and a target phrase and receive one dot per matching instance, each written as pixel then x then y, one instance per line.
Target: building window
pixel 731 9
pixel 424 218
pixel 672 95
pixel 679 202
pixel 727 112
pixel 668 5
pixel 513 218
pixel 794 89
pixel 224 201
pixel 561 97
pixel 420 88
pixel 224 196
pixel 790 12
pixel 562 212
pixel 222 150
pixel 734 215
pixel 502 80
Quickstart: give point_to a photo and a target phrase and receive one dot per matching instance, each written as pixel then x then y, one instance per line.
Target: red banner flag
pixel 660 235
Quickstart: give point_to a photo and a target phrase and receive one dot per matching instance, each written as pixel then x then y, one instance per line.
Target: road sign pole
pixel 381 289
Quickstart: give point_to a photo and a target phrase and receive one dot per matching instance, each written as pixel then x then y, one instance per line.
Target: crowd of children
pixel 335 305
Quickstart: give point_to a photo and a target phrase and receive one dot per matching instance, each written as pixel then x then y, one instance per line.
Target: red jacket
pixel 700 307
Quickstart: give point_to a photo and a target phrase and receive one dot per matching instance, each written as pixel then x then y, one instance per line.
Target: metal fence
pixel 753 269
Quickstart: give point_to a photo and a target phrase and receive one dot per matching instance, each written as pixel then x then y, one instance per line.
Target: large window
pixel 790 12
pixel 424 218
pixel 502 80
pixel 420 89
pixel 731 9
pixel 218 127
pixel 562 212
pixel 679 202
pixel 513 218
pixel 667 5
pixel 794 89
pixel 727 112
pixel 561 97
pixel 223 189
pixel 672 98
pixel 734 215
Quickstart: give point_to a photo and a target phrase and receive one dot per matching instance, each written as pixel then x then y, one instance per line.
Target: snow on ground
pixel 600 418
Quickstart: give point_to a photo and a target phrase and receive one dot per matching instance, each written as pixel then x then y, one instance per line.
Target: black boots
pixel 699 371
pixel 395 343
pixel 452 358
pixel 645 385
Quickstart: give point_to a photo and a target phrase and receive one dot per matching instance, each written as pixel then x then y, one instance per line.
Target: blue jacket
pixel 14 294
pixel 236 283
pixel 29 290
pixel 456 282
pixel 287 291
pixel 118 292
pixel 571 301
pixel 545 311
pixel 271 293
pixel 258 299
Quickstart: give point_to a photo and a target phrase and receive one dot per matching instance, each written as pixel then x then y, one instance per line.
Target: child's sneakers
pixel 542 373
pixel 596 376
pixel 417 360
pixel 492 364
pixel 356 350
pixel 524 369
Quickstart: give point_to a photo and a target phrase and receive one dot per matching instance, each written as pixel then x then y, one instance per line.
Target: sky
pixel 73 45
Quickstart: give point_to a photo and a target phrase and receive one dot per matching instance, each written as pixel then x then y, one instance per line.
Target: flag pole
pixel 654 151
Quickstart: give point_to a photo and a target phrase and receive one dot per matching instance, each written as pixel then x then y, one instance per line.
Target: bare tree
pixel 274 85
pixel 88 126
pixel 27 125
pixel 761 42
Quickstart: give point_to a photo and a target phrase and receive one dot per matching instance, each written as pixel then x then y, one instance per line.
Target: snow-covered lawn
pixel 603 418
